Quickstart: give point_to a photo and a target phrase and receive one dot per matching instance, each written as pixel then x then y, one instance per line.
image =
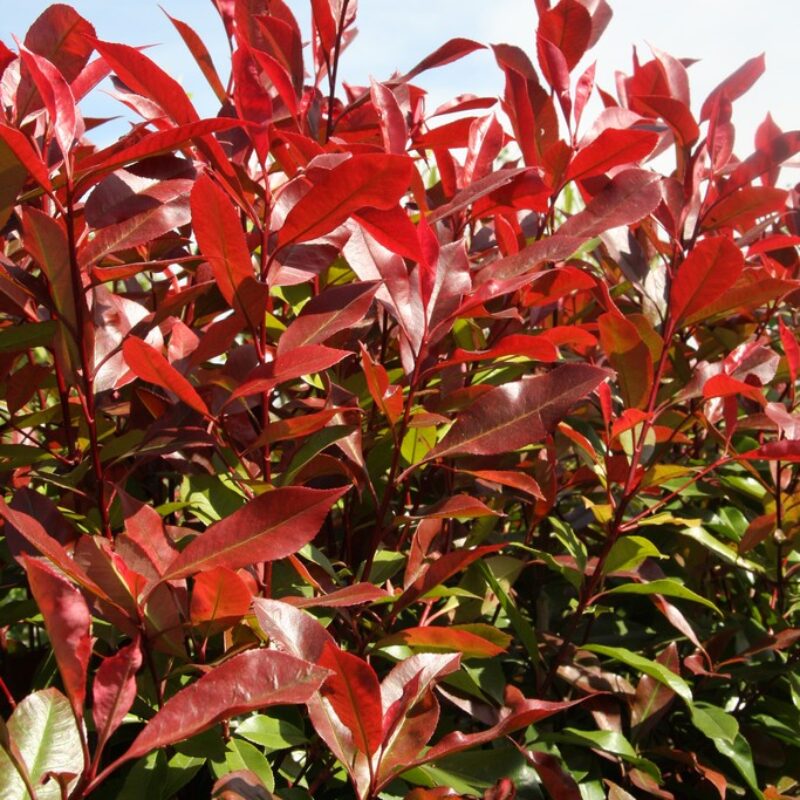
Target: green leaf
pixel 30 334
pixel 416 444
pixel 44 730
pixel 723 729
pixel 180 770
pixel 722 551
pixel 146 778
pixel 714 722
pixel 271 732
pixel 241 755
pixel 521 626
pixel 645 665
pixel 664 586
pixel 741 756
pixel 628 553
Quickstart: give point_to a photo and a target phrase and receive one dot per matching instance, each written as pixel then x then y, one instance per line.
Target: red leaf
pixel 514 480
pixel 743 207
pixel 375 181
pixel 144 77
pixel 568 26
pixel 724 386
pixel 710 269
pixel 148 364
pixel 675 113
pixel 791 349
pixel 304 360
pixel 345 597
pixel 114 690
pixel 296 631
pixel 391 118
pixel 536 348
pixel 34 533
pixel 280 78
pixel 450 51
pixel 784 450
pixel 629 356
pixel 169 209
pixel 611 148
pixel 68 622
pixel 519 713
pixel 219 597
pixel 460 506
pixel 387 397
pixel 64 38
pixel 26 155
pixel 253 680
pixel 735 85
pixel 438 572
pixel 45 238
pixel 393 229
pixel 458 638
pixel 520 413
pixel 201 56
pixel 56 95
pixel 272 526
pixel 558 782
pixel 152 144
pixel 486 139
pixel 354 693
pixel 553 248
pixel 220 237
pixel 336 309
pixel 631 195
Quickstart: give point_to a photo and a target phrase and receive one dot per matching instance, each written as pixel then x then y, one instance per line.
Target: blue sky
pixel 395 35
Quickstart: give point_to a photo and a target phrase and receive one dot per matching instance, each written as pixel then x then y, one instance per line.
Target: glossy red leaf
pixel 56 95
pixel 783 450
pixel 725 386
pixel 520 413
pixel 391 118
pixel 742 208
pixel 114 689
pixel 68 623
pixel 280 77
pixel 511 478
pixel 735 85
pixel 347 596
pixel 201 56
pixel 791 349
pixel 168 210
pixel 393 229
pixel 354 693
pixel 553 248
pixel 710 269
pixel 675 113
pixel 62 36
pixel 336 309
pixel 272 526
pixel 42 542
pixel 249 681
pixel 452 638
pixel 629 356
pixel 486 139
pixel 371 180
pixel 45 238
pixel 438 572
pixel 304 360
pixel 612 148
pixel 519 712
pixel 220 236
pixel 220 598
pixel 568 26
pixel 294 630
pixel 152 144
pixel 459 506
pixel 24 153
pixel 387 397
pixel 144 77
pixel 150 365
pixel 558 782
pixel 450 51
pixel 631 196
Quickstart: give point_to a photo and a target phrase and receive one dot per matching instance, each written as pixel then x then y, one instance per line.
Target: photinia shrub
pixel 354 448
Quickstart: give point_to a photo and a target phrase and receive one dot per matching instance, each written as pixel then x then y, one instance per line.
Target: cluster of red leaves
pixel 339 352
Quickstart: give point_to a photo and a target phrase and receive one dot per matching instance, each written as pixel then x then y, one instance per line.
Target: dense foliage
pixel 352 448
